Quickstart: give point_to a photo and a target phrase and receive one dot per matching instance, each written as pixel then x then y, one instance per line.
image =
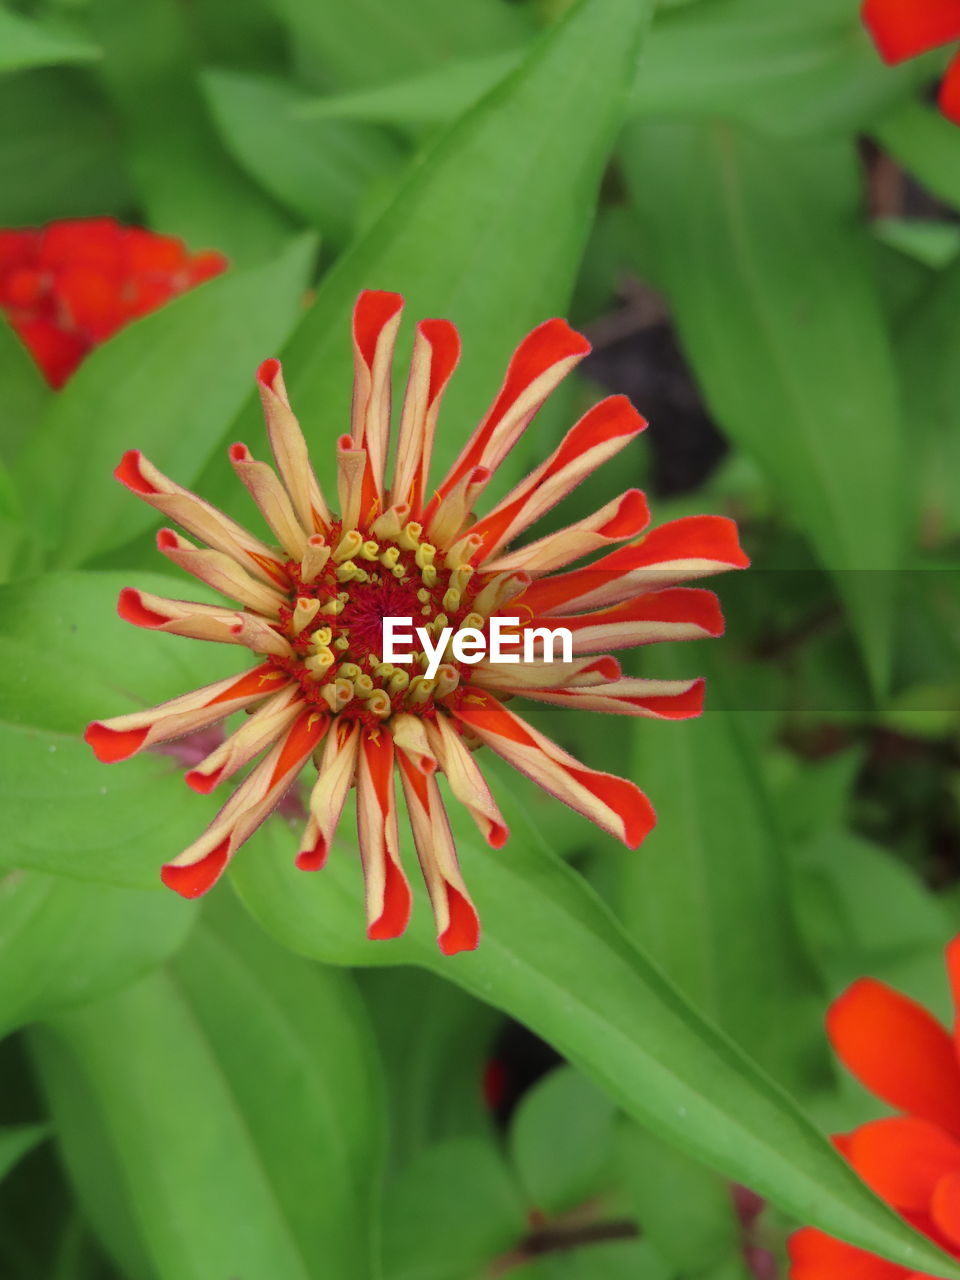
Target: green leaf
pixel 800 373
pixel 475 1212
pixel 437 1041
pixel 561 1141
pixel 554 958
pixel 371 42
pixel 709 900
pixel 63 943
pixel 606 1260
pixel 25 394
pixel 927 146
pixel 19 1140
pixel 188 183
pixel 684 1210
pixel 241 1098
pixel 470 235
pixel 58 114
pixel 168 384
pixel 65 812
pixel 785 70
pixel 319 169
pixel 30 44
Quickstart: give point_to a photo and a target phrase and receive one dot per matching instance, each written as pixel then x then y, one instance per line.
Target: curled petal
pixel 410 735
pixel 622 518
pixel 376 318
pixel 598 436
pixel 263 485
pixel 436 353
pixel 199 518
pixel 453 510
pixel 260 731
pixel 657 699
pixel 902 30
pixel 180 617
pixel 199 867
pixel 290 450
pixel 898 1051
pixel 466 781
pixel 458 926
pixel 678 613
pixel 219 571
pixel 124 736
pixel 518 677
pixel 352 487
pixel 386 887
pixel 335 777
pixel 257 634
pixel 614 804
pixel 540 363
pixel 692 547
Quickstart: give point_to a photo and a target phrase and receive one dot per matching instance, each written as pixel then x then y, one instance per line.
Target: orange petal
pixel 898 1051
pixel 903 1159
pixel 815 1256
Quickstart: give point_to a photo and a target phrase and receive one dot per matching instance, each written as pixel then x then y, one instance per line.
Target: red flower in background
pixel 312 604
pixel 67 287
pixel 903 29
pixel 902 1054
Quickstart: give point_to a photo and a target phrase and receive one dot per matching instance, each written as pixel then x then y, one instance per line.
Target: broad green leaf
pixel 167 384
pixel 863 911
pixel 471 236
pixel 684 1210
pixel 186 180
pixel 65 812
pixel 932 385
pixel 437 1040
pixel 19 1140
pixel 927 146
pixel 319 169
pixel 64 943
pixel 59 115
pixel 561 1141
pixel 450 1212
pixel 433 97
pixel 799 373
pixel 24 393
pixel 554 958
pixel 786 70
pixel 709 899
pixel 31 44
pixel 241 1100
pixel 370 42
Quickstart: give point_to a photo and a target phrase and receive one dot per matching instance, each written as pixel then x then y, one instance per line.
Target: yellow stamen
pixel 410 535
pixel 348 546
pixel 304 612
pixel 425 554
pixel 451 600
pixel 370 550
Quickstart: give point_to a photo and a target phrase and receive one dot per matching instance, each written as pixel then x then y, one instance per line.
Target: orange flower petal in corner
pixel 308 599
pixel 902 1054
pixel 904 29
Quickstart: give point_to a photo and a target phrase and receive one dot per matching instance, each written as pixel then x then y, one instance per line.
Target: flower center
pixel 340 593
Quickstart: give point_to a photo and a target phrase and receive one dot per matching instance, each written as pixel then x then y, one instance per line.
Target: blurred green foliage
pixel 755 221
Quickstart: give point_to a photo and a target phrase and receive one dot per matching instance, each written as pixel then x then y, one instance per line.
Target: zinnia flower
pixel 903 29
pixel 901 1053
pixel 67 287
pixel 312 605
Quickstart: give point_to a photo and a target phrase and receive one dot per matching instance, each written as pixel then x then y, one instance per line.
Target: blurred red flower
pixel 69 286
pixel 903 29
pixel 907 1058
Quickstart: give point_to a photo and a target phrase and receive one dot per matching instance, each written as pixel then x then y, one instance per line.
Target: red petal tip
pixel 203 783
pixel 314 859
pixel 131 608
pixel 463 931
pixel 267 372
pixel 128 472
pixel 111 745
pixel 194 880
pixel 167 539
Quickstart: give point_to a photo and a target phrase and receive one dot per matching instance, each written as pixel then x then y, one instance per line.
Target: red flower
pixel 902 29
pixel 67 287
pixel 312 606
pixel 912 1160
